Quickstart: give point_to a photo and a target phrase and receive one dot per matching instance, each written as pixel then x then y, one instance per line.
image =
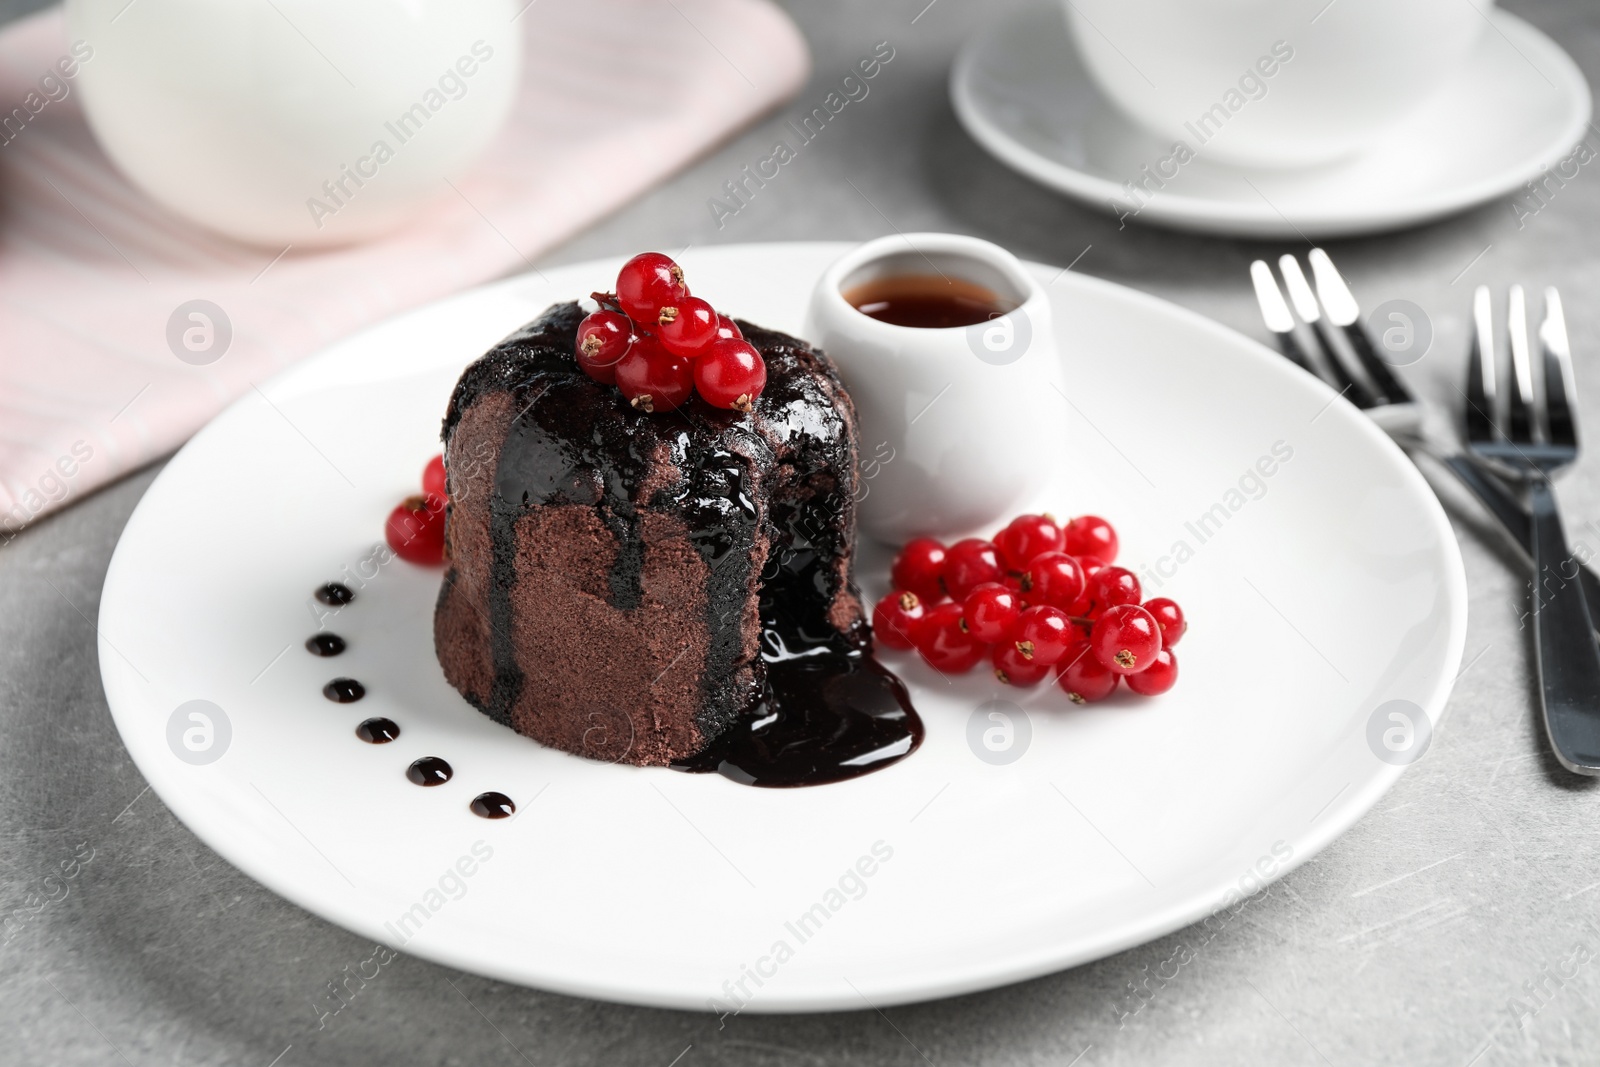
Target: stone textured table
pixel 1457 923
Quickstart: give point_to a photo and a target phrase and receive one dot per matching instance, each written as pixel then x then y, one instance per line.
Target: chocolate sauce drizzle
pixel 378 730
pixel 493 805
pixel 430 770
pixel 336 594
pixel 325 644
pixel 818 707
pixel 344 690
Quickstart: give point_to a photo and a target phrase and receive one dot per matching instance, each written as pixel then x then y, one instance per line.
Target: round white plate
pixel 1317 594
pixel 1518 105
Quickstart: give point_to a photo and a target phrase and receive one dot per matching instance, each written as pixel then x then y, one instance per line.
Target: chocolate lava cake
pixel 632 587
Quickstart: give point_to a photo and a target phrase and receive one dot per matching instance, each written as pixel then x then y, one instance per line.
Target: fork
pixel 1390 404
pixel 1537 439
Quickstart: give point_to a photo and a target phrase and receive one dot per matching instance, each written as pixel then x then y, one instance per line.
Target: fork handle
pixel 1564 638
pixel 1504 507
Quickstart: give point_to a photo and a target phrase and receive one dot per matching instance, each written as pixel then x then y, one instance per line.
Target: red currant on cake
pixel 1113 586
pixel 1090 535
pixel 1054 578
pixel 1044 635
pixel 1026 538
pixel 944 644
pixel 1125 639
pixel 647 283
pixel 727 328
pixel 652 378
pixel 969 564
pixel 990 611
pixel 1169 617
pixel 1160 676
pixel 1085 681
pixel 731 374
pixel 1013 668
pixel 917 568
pixel 604 337
pixel 895 618
pixel 416 531
pixel 688 328
pixel 433 482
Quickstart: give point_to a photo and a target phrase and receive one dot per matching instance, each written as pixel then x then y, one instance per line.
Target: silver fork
pixel 1536 438
pixel 1391 405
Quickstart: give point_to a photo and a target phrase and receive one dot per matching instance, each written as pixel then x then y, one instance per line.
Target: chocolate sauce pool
pixel 827 715
pixel 829 710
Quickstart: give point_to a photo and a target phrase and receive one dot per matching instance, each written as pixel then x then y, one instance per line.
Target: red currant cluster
pixel 1040 599
pixel 658 344
pixel 415 530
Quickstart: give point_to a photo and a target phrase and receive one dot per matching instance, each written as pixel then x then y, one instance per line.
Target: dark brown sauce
pixel 325 644
pixel 378 731
pixel 926 301
pixel 827 716
pixel 344 690
pixel 829 710
pixel 335 593
pixel 429 770
pixel 493 805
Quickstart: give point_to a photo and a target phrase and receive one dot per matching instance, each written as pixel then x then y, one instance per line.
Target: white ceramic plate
pixel 1317 594
pixel 1519 104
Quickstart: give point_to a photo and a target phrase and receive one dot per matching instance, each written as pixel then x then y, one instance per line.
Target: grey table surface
pixel 1456 923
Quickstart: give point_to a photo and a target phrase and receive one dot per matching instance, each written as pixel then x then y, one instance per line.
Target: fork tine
pixel 1482 381
pixel 1305 305
pixel 1523 408
pixel 1275 313
pixel 1560 387
pixel 1345 313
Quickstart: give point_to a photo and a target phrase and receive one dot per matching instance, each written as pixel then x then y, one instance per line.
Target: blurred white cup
pixel 1267 83
pixel 303 122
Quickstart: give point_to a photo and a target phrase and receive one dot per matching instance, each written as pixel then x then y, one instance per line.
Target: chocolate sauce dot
pixel 336 593
pixel 493 805
pixel 344 690
pixel 325 644
pixel 429 770
pixel 378 731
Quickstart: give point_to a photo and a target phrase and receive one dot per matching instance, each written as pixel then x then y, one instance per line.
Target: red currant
pixel 969 564
pixel 1169 617
pixel 989 612
pixel 1125 639
pixel 1054 578
pixel 652 378
pixel 433 482
pixel 1090 535
pixel 1026 538
pixel 917 568
pixel 1161 675
pixel 895 618
pixel 604 337
pixel 688 328
pixel 647 283
pixel 731 374
pixel 1013 668
pixel 1111 586
pixel 727 328
pixel 416 531
pixel 1085 681
pixel 1043 635
pixel 944 644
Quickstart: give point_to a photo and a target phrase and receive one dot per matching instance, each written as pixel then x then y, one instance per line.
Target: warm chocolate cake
pixel 668 588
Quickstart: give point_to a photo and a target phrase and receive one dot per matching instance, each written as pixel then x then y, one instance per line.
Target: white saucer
pixel 1519 104
pixel 1316 594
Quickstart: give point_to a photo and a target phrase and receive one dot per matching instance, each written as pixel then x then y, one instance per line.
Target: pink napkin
pixel 91 270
